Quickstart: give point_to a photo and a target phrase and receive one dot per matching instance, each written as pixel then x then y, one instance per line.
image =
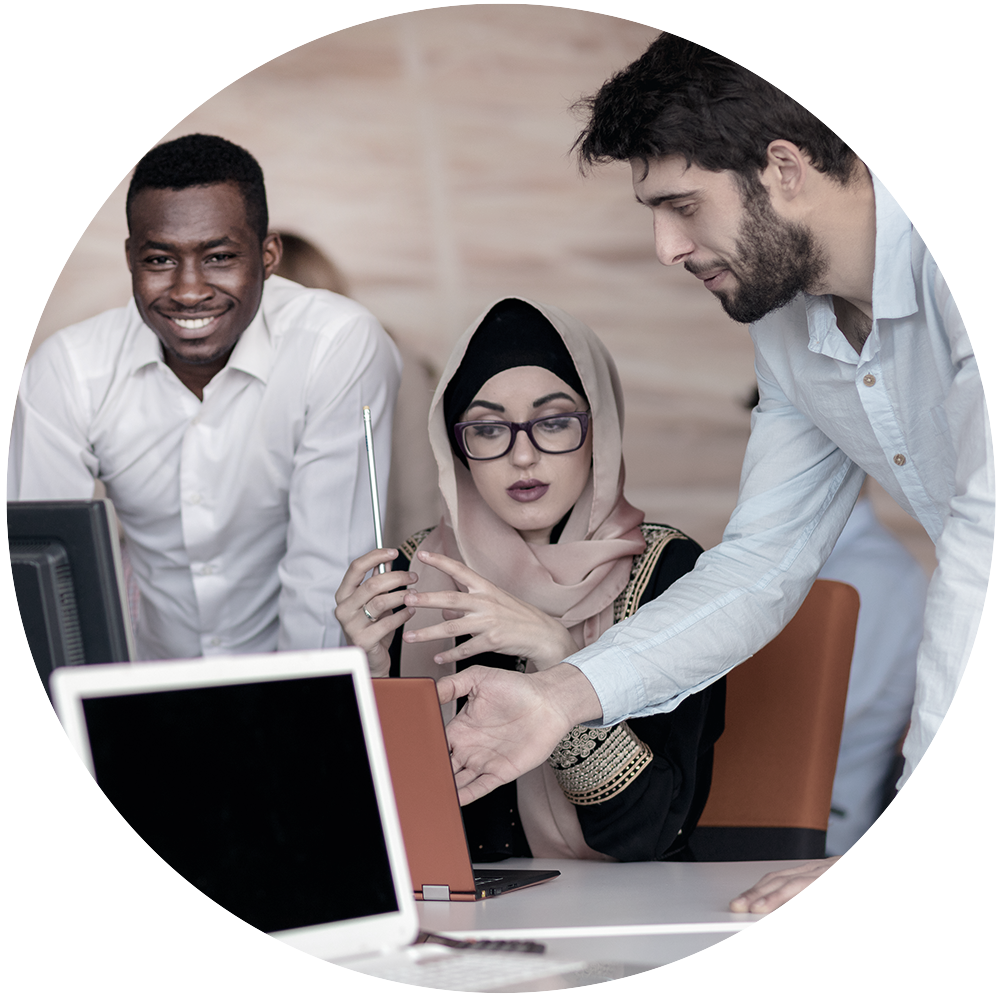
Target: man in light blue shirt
pixel 864 366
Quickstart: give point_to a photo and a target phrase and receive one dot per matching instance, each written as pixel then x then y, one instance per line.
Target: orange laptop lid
pixel 422 779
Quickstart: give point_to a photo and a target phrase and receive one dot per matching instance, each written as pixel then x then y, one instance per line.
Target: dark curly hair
pixel 194 160
pixel 680 99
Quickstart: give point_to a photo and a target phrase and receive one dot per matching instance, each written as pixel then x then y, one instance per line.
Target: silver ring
pixel 368 614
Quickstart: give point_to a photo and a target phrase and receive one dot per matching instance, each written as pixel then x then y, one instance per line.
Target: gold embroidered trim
pixel 410 546
pixel 658 537
pixel 593 765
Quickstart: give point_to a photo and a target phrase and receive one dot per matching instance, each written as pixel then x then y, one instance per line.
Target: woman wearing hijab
pixel 538 553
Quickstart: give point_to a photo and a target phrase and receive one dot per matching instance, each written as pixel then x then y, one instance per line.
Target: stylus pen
pixel 366 414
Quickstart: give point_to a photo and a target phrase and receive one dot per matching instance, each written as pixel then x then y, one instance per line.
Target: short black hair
pixel 196 160
pixel 681 99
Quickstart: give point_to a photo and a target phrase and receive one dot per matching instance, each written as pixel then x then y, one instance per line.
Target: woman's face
pixel 529 489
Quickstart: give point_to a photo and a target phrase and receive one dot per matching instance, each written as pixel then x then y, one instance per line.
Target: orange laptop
pixel 427 801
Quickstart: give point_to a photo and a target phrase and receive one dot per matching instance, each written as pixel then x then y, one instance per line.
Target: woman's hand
pixel 497 621
pixel 373 634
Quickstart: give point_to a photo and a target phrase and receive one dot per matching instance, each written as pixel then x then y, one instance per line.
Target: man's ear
pixel 128 256
pixel 271 252
pixel 784 174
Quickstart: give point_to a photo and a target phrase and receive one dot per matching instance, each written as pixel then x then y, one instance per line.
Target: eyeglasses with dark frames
pixel 557 434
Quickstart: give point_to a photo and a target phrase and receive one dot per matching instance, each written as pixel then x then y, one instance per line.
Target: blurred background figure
pixel 893 588
pixel 305 263
pixel 412 499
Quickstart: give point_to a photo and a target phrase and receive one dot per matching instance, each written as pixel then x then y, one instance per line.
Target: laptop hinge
pixel 436 892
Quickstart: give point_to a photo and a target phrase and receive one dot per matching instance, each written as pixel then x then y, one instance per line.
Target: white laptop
pixel 263 781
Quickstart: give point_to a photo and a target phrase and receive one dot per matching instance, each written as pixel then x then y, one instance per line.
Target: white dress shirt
pixel 910 412
pixel 240 512
pixel 893 589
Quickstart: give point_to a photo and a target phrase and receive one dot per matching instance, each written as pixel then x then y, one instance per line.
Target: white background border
pixel 87 909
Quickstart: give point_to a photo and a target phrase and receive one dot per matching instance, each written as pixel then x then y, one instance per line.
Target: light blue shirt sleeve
pixel 796 493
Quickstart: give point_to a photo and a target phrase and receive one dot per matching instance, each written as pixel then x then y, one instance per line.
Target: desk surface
pixel 619 918
pixel 593 897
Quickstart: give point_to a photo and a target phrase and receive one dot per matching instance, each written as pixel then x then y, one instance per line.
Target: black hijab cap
pixel 512 335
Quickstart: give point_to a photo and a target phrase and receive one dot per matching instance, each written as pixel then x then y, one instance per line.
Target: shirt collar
pixel 893 291
pixel 894 294
pixel 145 348
pixel 252 353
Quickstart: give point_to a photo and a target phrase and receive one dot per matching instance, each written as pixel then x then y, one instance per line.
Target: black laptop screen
pixel 260 794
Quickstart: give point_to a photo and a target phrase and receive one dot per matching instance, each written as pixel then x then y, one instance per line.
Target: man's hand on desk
pixel 778 887
pixel 511 721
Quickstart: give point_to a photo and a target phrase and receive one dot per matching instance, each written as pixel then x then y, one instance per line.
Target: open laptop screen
pixel 243 789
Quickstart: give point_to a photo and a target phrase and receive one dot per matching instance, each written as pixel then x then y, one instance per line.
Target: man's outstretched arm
pixel 511 722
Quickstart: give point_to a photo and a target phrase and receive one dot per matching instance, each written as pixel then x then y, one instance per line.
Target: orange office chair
pixel 773 771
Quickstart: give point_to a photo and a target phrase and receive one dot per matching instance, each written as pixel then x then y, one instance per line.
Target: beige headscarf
pixel 575 580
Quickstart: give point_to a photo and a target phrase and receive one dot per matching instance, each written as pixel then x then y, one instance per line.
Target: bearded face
pixel 774 261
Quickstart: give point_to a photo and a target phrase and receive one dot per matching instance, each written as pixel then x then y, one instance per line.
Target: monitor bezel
pixel 96 565
pixel 362 935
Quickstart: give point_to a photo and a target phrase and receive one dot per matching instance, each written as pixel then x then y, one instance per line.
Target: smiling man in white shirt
pixel 863 365
pixel 222 410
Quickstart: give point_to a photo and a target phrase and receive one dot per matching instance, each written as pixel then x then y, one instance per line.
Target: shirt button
pixel 869 380
pixel 215 641
pixel 899 459
pixel 194 498
pixel 206 570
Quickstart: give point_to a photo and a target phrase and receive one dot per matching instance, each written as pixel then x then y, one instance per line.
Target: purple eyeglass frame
pixel 580 415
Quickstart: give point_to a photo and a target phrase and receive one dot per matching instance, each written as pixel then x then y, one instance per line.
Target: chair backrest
pixel 772 777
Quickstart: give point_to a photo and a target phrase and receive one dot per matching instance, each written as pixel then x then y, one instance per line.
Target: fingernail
pixel 414 578
pixel 437 659
pixel 408 636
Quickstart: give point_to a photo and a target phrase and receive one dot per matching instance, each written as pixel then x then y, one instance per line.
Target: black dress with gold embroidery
pixel 638 787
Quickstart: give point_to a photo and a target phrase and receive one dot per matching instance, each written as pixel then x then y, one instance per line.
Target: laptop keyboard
pixel 441 968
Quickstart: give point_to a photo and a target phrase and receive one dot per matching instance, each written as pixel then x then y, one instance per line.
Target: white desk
pixel 621 918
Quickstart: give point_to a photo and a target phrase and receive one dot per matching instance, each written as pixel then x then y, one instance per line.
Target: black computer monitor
pixel 70 586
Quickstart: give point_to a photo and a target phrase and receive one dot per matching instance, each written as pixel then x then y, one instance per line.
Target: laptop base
pixel 488 882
